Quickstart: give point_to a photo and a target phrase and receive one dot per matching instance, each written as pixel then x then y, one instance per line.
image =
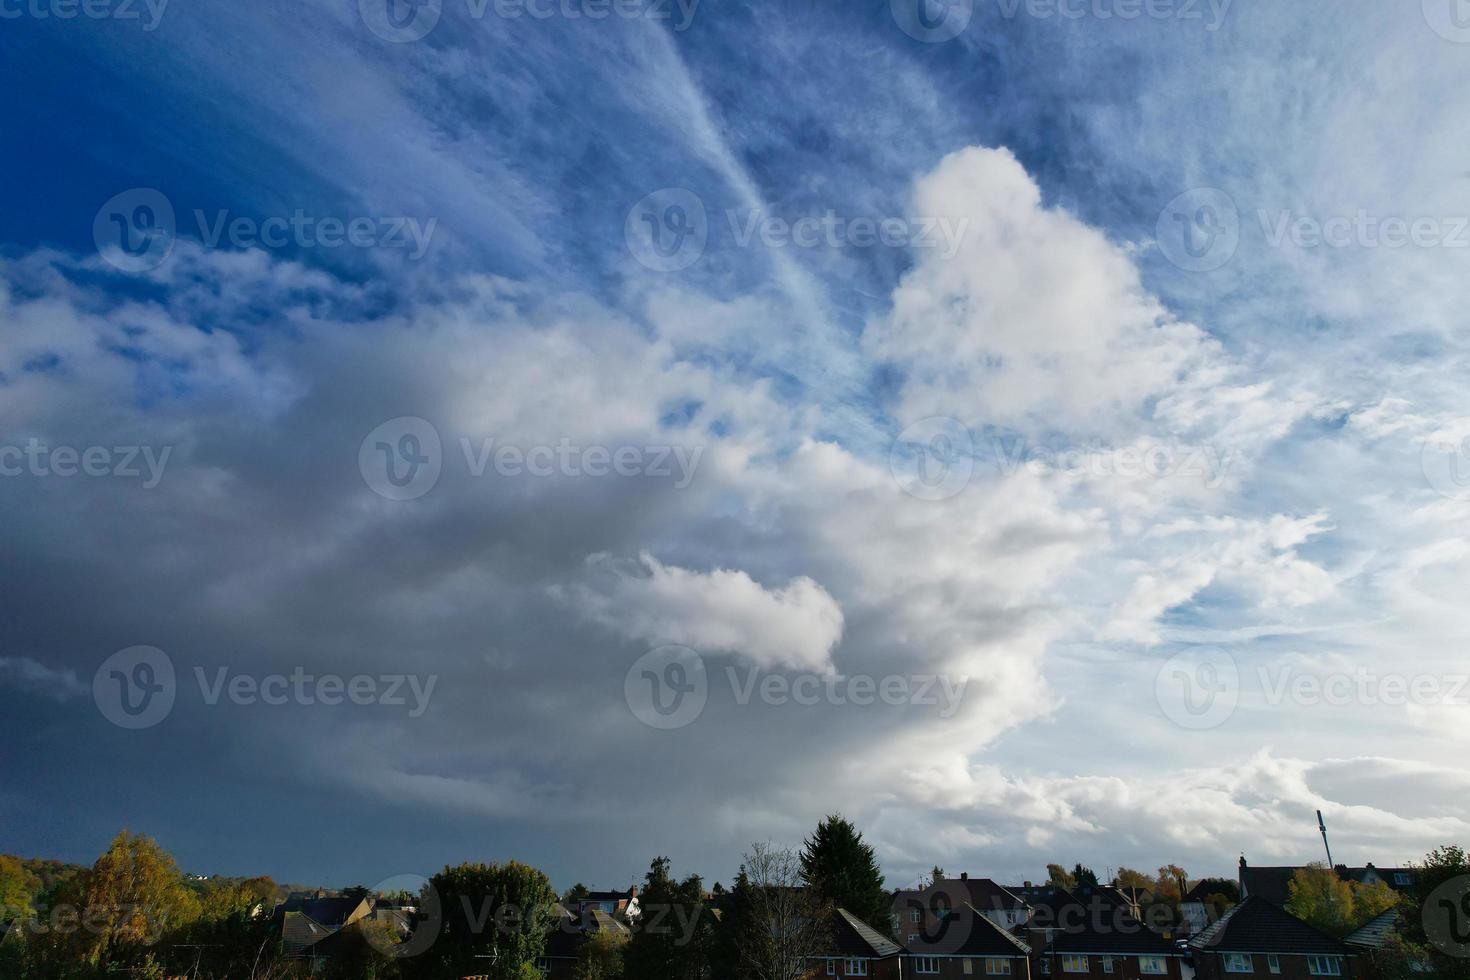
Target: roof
pixel 1273 883
pixel 600 921
pixel 982 893
pixel 1093 923
pixel 852 937
pixel 969 932
pixel 332 912
pixel 1376 932
pixel 1260 926
pixel 622 896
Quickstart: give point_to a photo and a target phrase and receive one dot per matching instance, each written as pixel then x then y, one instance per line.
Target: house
pixel 1260 939
pixel 967 943
pixel 308 920
pixel 1273 883
pixel 624 905
pixel 856 949
pixel 1203 903
pixel 920 911
pixel 1088 934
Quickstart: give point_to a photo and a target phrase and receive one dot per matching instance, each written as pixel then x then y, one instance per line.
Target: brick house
pixel 1087 934
pixel 1259 939
pixel 856 949
pixel 966 943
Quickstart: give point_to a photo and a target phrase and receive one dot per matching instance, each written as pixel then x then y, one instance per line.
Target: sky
pixel 579 432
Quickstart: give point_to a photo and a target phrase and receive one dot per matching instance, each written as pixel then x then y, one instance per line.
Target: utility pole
pixel 1322 825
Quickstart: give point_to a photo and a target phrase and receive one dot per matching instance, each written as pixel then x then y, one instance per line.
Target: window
pixel 926 964
pixel 1238 963
pixel 998 967
pixel 969 966
pixel 1399 878
pixel 831 968
pixel 915 916
pixel 1273 962
pixel 1107 964
pixel 855 968
pixel 543 967
pixel 1074 964
pixel 1046 966
pixel 1153 964
pixel 1324 966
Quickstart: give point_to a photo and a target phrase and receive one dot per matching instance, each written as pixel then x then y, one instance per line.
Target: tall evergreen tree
pixel 843 870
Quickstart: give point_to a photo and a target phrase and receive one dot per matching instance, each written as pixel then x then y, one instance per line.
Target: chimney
pixel 964 876
pixel 1242 861
pixel 1025 884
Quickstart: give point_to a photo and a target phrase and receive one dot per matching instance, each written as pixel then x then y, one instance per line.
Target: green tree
pixel 132 897
pixel 575 894
pixel 843 870
pixel 1084 877
pixel 1323 899
pixel 1057 877
pixel 496 918
pixel 675 931
pixel 1414 956
pixel 17 888
pixel 1130 879
pixel 601 957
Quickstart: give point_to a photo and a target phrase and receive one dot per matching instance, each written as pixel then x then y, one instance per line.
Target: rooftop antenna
pixel 1322 826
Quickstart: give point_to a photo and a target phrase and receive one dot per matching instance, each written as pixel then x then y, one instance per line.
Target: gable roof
pixel 1260 926
pixel 852 937
pixel 969 932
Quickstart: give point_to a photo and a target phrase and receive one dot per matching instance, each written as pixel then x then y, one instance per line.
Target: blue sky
pixel 1293 370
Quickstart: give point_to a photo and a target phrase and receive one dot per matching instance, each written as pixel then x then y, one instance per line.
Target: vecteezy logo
pixel 1445 460
pixel 933 459
pixel 1447 917
pixel 1199 230
pixel 135 688
pixel 401 21
pixel 1450 19
pixel 1198 689
pixel 402 458
pixel 667 230
pixel 932 21
pixel 667 688
pixel 135 230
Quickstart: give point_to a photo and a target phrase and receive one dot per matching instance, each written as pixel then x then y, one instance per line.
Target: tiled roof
pixel 1065 922
pixel 1376 932
pixel 969 932
pixel 983 893
pixel 853 937
pixel 1259 926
